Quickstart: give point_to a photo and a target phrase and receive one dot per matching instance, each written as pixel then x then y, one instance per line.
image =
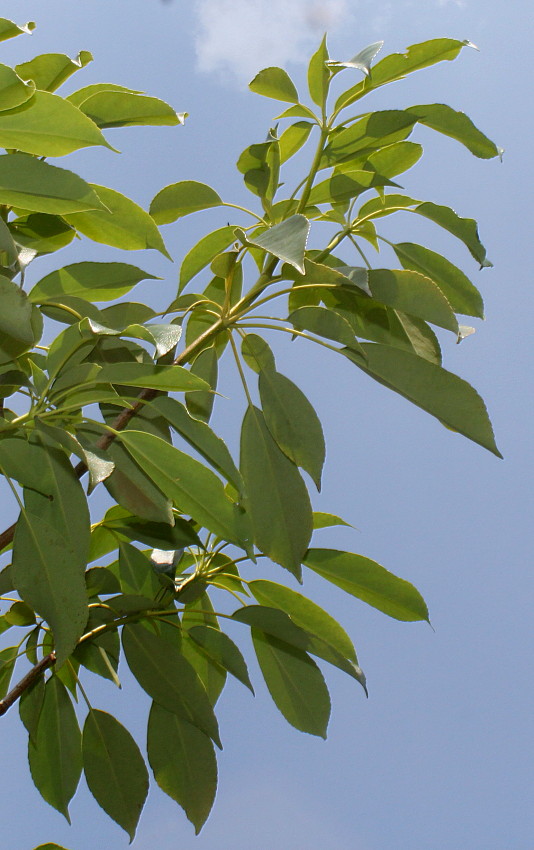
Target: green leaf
pixel 90 280
pixel 394 159
pixel 257 353
pixel 136 574
pixel 205 367
pixel 386 205
pixel 181 199
pixel 20 326
pixel 200 437
pixel 13 89
pixel 204 252
pixel 78 97
pixel 362 60
pixel 183 761
pixel 293 138
pixel 295 683
pixel 174 378
pixel 319 75
pixel 194 488
pixel 159 535
pixel 444 395
pixel 132 488
pixel 323 520
pixel 275 83
pixel 464 229
pixel 30 706
pixel 218 646
pixel 277 498
pixel 164 673
pixel 457 125
pixel 373 131
pixel 48 125
pixel 286 240
pixel 114 769
pixel 412 293
pixel 42 233
pixel 345 185
pixel 50 70
pixel 55 751
pixel 9 30
pixel 368 581
pixel 126 109
pixel 462 295
pixel 325 323
pixel 34 185
pixel 124 224
pixel 7 665
pixel 293 423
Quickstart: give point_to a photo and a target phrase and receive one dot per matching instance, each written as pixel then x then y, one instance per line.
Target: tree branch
pixel 27 681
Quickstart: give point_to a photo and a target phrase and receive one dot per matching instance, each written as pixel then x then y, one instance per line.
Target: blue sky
pixel 438 757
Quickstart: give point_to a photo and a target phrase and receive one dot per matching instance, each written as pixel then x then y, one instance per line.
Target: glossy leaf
pixel 218 646
pixel 13 89
pixel 164 673
pixel 124 224
pixel 277 498
pixel 412 293
pixel 114 769
pixel 181 199
pixel 193 487
pixel 183 761
pixel 54 752
pixel 276 83
pixel 457 125
pixel 89 280
pixel 50 70
pixel 295 683
pixel 126 109
pixel 34 185
pixel 286 240
pixel 293 423
pixel 204 252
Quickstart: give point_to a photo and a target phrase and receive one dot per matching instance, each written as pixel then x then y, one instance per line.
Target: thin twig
pixel 26 682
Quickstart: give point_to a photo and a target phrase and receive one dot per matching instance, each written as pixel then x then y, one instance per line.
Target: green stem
pixel 313 170
pixel 240 369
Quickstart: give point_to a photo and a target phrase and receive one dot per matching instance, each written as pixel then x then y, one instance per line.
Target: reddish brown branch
pixel 27 681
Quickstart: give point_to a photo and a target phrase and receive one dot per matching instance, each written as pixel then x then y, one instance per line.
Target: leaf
pixel 256 353
pixel 19 330
pixel 90 280
pixel 394 159
pixel 78 97
pixel 203 253
pixel 462 295
pixel 325 323
pixel 412 293
pixel 48 125
pixel 277 498
pixel 368 581
pixel 444 395
pixel 50 70
pixel 13 89
pixel 9 30
pixel 295 683
pixel 362 60
pixel 275 83
pixel 124 224
pixel 30 706
pixel 200 436
pixel 457 125
pixel 42 233
pixel 132 488
pixel 127 109
pixel 218 646
pixel 323 520
pixel 183 198
pixel 184 764
pixel 8 658
pixel 205 366
pixel 464 229
pixel 151 376
pixel 55 751
pixel 286 240
pixel 318 74
pixel 34 185
pixel 293 423
pixel 194 488
pixel 159 535
pixel 293 138
pixel 373 131
pixel 164 673
pixel 136 574
pixel 114 769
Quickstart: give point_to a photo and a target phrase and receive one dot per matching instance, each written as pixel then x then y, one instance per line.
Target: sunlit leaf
pixel 457 125
pixel 8 29
pixel 318 74
pixel 126 109
pixel 276 83
pixel 286 240
pixel 218 646
pixel 34 185
pixel 93 281
pixel 50 70
pixel 362 60
pixel 293 138
pixel 13 89
pixel 155 377
pixel 183 198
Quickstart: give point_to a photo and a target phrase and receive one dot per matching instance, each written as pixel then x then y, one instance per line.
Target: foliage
pixel 125 394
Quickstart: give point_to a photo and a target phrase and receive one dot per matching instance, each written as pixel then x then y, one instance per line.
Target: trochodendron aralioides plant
pixel 121 395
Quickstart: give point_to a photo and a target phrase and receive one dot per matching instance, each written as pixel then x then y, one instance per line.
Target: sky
pixel 439 755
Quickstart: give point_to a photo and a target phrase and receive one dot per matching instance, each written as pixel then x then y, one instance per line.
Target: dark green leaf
pixel 159 535
pixel 412 293
pixel 7 665
pixel 42 233
pixel 464 229
pixel 92 281
pixel 275 83
pixel 114 769
pixel 325 323
pixel 183 198
pixel 34 185
pixel 136 573
pixel 50 70
pixel 19 330
pixel 183 761
pixel 205 367
pixel 132 488
pixel 369 581
pixel 155 377
pixel 30 706
pixel 218 646
pixel 256 353
pixel 54 752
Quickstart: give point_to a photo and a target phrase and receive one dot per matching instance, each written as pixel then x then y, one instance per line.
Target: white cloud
pixel 240 37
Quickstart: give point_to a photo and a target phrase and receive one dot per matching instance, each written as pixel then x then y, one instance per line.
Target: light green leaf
pixel 277 498
pixel 324 520
pixel 386 205
pixel 298 111
pixel 345 185
pixel 457 125
pixel 48 125
pixel 194 488
pixel 164 337
pixel 203 253
pixel 462 295
pixel 464 229
pixel 42 233
pixel 286 240
pixel 181 199
pixel 114 769
pixel 55 751
pixel 373 131
pixel 319 75
pixel 156 377
pixel 200 436
pixel 218 646
pixel 412 293
pixel 256 353
pixel 9 30
pixel 293 423
pixel 444 395
pixel 394 159
pixel 293 138
pixel 368 581
pixel 275 83
pixel 34 185
pixel 127 313
pixel 325 323
pixel 20 324
pixel 124 224
pixel 79 96
pixel 13 89
pixel 50 70
pixel 184 764
pixel 126 109
pixel 90 280
pixel 164 673
pixel 295 683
